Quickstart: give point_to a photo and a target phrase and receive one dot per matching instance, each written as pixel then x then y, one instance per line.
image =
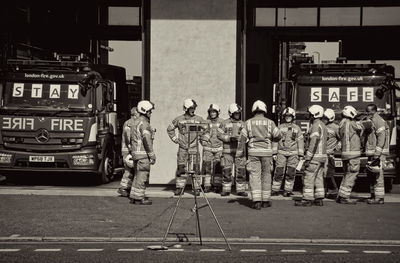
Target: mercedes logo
pixel 42 136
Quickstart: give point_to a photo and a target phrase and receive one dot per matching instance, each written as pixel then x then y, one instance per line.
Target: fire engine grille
pixel 42 140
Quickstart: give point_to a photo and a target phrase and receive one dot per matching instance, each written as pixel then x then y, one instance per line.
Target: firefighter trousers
pixel 351 169
pixel 229 160
pixel 285 164
pixel 260 168
pixel 330 183
pixel 212 168
pixel 127 178
pixel 314 178
pixel 377 181
pixel 142 171
pixel 187 160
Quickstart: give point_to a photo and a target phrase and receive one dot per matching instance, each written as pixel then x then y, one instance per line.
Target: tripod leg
pixel 216 220
pixel 196 207
pixel 173 215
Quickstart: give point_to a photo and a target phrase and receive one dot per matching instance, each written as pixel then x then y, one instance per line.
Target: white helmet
pixel 144 106
pixel 349 111
pixel 374 166
pixel 189 103
pixel 128 160
pixel 316 111
pixel 214 107
pixel 289 111
pixel 259 106
pixel 234 108
pixel 329 114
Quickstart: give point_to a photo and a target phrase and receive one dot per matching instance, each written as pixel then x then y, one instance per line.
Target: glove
pixel 152 161
pixel 306 164
pixel 274 157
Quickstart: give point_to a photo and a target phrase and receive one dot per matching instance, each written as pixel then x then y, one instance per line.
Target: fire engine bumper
pixel 83 161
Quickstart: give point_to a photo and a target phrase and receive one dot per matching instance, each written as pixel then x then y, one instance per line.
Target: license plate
pixel 338 163
pixel 41 159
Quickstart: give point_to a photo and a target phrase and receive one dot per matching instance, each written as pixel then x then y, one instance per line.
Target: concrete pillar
pixel 192 55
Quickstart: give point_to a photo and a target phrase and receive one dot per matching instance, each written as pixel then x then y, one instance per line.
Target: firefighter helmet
pixel 374 166
pixel 349 111
pixel 289 111
pixel 189 103
pixel 329 114
pixel 214 107
pixel 128 160
pixel 145 106
pixel 316 111
pixel 234 108
pixel 259 106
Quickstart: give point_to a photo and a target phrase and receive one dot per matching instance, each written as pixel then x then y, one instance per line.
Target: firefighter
pixel 314 160
pixel 333 143
pixel 142 136
pixel 259 133
pixel 189 108
pixel 349 131
pixel 290 149
pixel 212 151
pixel 377 149
pixel 127 177
pixel 229 132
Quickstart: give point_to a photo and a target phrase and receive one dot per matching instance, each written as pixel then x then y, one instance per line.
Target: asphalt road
pixel 122 252
pixel 73 223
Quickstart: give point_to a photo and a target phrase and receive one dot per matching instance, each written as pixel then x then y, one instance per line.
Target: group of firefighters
pixel 226 142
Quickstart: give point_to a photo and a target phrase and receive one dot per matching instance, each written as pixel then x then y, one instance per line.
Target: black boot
pixel 274 193
pixel 225 194
pixel 303 202
pixel 257 205
pixel 287 194
pixel 178 191
pixel 345 201
pixel 318 202
pixel 242 194
pixel 207 189
pixel 266 204
pixel 144 201
pixel 123 192
pixel 375 201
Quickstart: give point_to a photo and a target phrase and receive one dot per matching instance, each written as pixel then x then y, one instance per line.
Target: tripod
pixel 192 173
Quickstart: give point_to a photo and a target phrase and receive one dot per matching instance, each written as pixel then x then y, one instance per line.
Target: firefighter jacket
pixel 333 140
pixel 378 139
pixel 229 133
pixel 316 150
pixel 141 139
pixel 292 141
pixel 349 132
pixel 126 139
pixel 259 132
pixel 182 138
pixel 210 140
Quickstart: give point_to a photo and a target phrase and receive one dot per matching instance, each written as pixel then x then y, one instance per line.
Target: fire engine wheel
pixel 108 170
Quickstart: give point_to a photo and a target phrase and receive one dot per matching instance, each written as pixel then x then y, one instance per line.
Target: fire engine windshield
pixel 338 97
pixel 57 96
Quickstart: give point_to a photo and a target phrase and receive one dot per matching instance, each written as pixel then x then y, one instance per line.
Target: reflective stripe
pixel 211 149
pixel 174 138
pixel 381 129
pixel 146 132
pixel 314 134
pixel 266 195
pixel 256 195
pixel 289 152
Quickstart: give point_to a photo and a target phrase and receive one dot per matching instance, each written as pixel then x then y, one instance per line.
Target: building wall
pixel 193 55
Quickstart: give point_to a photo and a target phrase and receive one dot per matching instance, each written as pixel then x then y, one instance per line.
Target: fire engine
pixel 335 86
pixel 62 115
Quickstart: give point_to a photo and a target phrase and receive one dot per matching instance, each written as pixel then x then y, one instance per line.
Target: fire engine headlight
pixel 83 159
pixel 389 164
pixel 5 158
